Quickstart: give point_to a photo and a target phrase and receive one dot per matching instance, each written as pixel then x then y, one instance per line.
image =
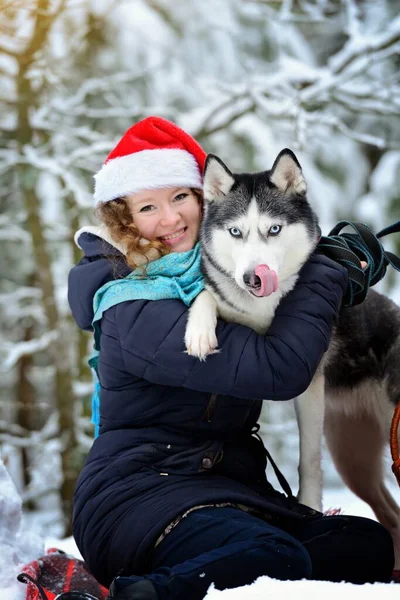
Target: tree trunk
pixel 59 352
pixel 25 410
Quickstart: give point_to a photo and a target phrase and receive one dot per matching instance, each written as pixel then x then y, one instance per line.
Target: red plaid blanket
pixel 57 572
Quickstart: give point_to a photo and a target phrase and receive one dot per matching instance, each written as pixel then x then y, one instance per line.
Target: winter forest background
pixel 246 78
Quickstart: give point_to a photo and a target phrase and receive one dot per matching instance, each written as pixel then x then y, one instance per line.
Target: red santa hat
pixel 154 153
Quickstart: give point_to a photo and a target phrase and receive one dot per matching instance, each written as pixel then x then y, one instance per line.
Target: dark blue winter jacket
pixel 166 442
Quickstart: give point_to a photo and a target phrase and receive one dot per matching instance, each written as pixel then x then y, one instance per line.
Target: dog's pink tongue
pixel 268 279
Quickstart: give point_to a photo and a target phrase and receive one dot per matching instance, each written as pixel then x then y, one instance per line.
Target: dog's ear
pixel 287 175
pixel 218 180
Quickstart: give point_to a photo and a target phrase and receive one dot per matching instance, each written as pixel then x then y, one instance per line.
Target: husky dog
pixel 258 231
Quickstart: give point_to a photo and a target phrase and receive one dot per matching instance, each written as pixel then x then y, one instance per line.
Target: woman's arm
pixel 277 366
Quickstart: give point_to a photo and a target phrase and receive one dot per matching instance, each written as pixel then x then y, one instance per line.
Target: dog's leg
pixel 356 443
pixel 200 338
pixel 310 418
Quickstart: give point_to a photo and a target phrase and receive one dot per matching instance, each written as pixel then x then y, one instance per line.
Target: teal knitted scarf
pixel 176 275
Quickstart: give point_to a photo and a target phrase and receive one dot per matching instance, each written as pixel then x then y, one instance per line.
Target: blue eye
pixel 235 232
pixel 275 229
pixel 146 208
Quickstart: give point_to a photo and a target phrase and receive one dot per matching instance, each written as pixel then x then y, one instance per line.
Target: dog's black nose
pixel 251 279
pixel 246 278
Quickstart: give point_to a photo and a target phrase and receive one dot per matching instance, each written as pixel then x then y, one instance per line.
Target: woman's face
pixel 171 215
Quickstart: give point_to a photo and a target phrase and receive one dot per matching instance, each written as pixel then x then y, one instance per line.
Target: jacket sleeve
pixel 279 365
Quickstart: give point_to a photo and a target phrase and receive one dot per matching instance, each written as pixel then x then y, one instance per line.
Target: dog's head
pixel 258 227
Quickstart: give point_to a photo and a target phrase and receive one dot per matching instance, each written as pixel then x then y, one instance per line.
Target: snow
pixel 16 549
pixel 265 587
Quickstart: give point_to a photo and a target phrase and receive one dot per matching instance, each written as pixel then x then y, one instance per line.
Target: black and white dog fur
pixel 265 219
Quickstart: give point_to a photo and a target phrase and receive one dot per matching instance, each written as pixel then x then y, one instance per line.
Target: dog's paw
pixel 200 337
pixel 201 342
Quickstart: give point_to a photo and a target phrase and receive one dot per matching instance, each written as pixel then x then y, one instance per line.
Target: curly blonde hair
pixel 118 219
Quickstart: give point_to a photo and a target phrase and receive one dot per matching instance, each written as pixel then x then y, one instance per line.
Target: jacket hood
pixel 87 239
pixel 103 262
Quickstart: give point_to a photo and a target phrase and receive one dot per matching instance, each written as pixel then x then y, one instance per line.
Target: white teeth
pixel 174 235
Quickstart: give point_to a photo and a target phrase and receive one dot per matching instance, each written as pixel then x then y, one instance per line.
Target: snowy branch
pixel 85 441
pixel 14 233
pixel 32 495
pixel 82 388
pixel 331 80
pixel 368 106
pixel 335 123
pixel 97 86
pixel 16 351
pixel 50 165
pixel 106 112
pixel 353 27
pixel 21 438
pixel 22 303
pixel 98 148
pixel 361 47
pixel 13 429
pixel 223 115
pixel 9 52
pixel 12 4
pixel 9 159
pixel 311 14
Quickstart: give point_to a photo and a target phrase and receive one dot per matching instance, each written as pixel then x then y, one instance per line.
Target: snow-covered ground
pixel 17 549
pixel 265 588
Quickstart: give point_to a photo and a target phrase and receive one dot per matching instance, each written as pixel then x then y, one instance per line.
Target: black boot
pixel 121 589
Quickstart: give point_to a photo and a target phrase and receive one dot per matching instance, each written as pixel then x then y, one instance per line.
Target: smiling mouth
pixel 173 236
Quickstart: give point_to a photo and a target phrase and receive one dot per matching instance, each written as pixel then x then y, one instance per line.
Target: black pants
pixel 232 548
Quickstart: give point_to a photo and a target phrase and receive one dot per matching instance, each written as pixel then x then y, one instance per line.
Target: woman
pixel 173 496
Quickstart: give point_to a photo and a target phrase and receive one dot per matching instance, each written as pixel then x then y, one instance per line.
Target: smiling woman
pixel 154 222
pixel 148 192
pixel 174 494
pixel 171 216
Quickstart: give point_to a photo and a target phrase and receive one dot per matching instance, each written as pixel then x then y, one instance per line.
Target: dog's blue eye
pixel 235 232
pixel 275 229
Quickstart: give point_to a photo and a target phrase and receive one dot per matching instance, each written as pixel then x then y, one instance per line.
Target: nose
pixel 169 217
pixel 251 279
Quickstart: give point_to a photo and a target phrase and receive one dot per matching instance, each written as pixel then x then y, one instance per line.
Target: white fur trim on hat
pixel 147 169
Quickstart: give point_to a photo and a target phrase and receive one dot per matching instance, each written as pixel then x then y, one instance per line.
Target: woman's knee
pixel 283 557
pixel 353 549
pixel 375 546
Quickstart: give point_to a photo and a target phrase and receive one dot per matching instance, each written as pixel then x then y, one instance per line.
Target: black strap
pixel 25 578
pixel 352 248
pixel 279 475
pixel 392 258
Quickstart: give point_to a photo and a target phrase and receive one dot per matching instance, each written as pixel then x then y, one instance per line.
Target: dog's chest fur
pixel 237 306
